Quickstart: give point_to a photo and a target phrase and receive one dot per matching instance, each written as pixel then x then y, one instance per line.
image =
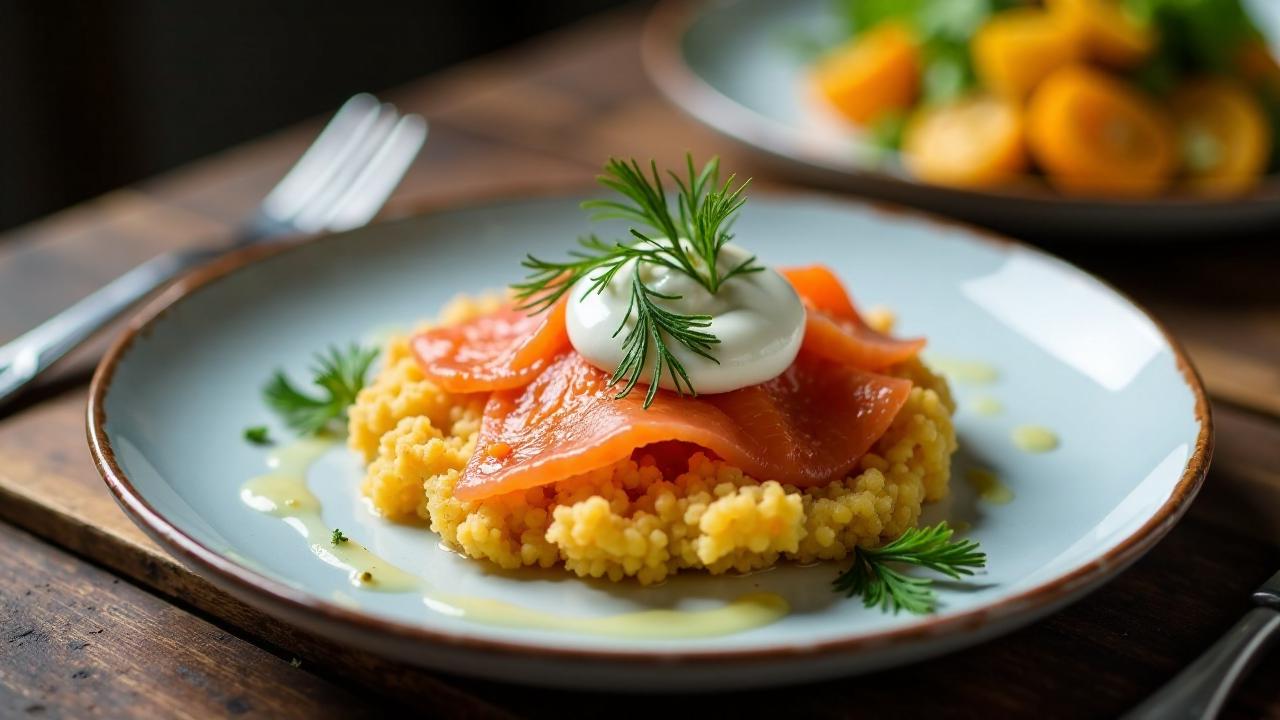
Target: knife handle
pixel 1200 690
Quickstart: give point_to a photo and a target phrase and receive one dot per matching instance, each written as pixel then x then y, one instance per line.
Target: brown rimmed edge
pixel 660 44
pixel 279 595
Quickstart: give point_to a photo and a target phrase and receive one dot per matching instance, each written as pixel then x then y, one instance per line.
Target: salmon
pixel 504 349
pixel 835 330
pixel 806 427
pixel 507 349
pixel 552 415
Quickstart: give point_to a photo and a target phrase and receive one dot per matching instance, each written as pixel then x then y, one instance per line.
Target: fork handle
pixel 26 357
pixel 1200 690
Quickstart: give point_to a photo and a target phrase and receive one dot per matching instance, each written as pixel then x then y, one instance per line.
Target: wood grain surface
pixel 549 113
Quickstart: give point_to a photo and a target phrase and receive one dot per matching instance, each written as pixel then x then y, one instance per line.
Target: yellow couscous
pixel 629 519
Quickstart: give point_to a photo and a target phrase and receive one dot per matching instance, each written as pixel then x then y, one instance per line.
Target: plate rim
pixel 286 600
pixel 661 38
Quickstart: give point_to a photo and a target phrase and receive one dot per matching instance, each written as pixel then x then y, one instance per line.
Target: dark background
pixel 95 95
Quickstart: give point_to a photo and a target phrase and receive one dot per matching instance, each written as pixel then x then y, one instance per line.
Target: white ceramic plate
pixel 170 401
pixel 729 65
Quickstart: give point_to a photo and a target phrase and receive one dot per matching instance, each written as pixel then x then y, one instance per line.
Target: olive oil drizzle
pixel 283 493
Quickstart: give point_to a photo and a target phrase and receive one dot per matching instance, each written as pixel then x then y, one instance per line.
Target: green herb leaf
pixel 943 28
pixel 885 132
pixel 862 15
pixel 880 585
pixel 688 241
pixel 1199 35
pixel 258 435
pixel 339 374
pixel 336 537
pixel 653 326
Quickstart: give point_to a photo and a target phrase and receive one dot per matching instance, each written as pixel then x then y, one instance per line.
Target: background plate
pixel 170 401
pixel 730 65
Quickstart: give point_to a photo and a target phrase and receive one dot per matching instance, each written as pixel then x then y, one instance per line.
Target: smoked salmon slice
pixel 834 329
pixel 806 427
pixel 508 349
pixel 504 349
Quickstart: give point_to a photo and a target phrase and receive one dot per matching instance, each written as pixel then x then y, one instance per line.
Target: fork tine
pixel 326 154
pixel 375 183
pixel 310 216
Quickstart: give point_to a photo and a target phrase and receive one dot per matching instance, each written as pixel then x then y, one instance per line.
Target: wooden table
pixel 95 620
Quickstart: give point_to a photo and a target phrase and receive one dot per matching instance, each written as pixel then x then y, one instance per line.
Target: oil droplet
pixel 880 318
pixel 989 486
pixel 986 406
pixel 965 371
pixel 1034 438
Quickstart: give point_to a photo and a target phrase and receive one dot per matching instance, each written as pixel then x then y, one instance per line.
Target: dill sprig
pixel 653 325
pixel 687 241
pixel 880 585
pixel 338 373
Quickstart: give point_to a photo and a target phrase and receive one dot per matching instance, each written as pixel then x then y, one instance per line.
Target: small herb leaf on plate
pixel 880 585
pixel 258 435
pixel 339 374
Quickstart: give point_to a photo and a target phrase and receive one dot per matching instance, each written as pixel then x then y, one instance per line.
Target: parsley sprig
pixel 880 585
pixel 339 374
pixel 258 435
pixel 688 241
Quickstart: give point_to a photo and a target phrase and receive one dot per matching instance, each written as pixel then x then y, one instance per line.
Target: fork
pixel 1201 689
pixel 339 183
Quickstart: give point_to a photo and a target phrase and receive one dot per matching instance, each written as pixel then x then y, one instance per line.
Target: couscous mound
pixel 632 519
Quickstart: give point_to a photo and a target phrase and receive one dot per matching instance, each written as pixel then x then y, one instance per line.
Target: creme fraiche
pixel 757 317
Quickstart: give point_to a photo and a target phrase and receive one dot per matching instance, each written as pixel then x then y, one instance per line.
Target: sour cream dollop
pixel 757 316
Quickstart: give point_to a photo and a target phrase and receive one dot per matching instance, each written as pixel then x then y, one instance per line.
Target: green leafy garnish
pixel 258 435
pixel 339 374
pixel 880 585
pixel 687 241
pixel 862 15
pixel 1198 35
pixel 886 131
pixel 944 28
pixel 336 537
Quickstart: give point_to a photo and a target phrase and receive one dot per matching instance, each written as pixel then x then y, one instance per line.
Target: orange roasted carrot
pixel 1109 33
pixel 1016 49
pixel 972 142
pixel 876 73
pixel 1224 133
pixel 1092 133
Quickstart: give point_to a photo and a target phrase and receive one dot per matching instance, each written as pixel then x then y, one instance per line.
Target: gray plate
pixel 728 65
pixel 170 401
